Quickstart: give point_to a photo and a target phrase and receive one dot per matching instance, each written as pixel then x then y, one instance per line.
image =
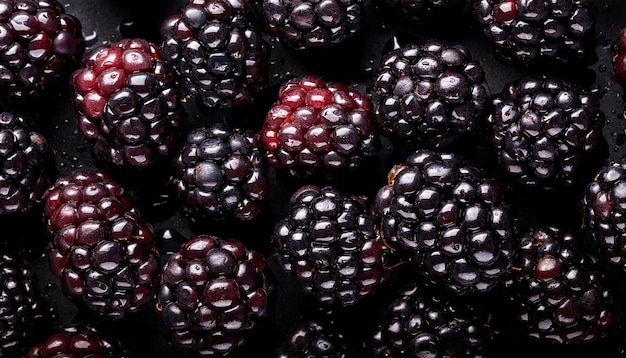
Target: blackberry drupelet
pixel 619 58
pixel 212 294
pixel 561 295
pixel 546 131
pixel 218 53
pixel 77 341
pixel 27 165
pixel 313 340
pixel 430 94
pixel 528 32
pixel 220 173
pixel 328 243
pixel 427 10
pixel 101 249
pixel 319 129
pixel 311 24
pixel 39 46
pixel 450 220
pixel 127 101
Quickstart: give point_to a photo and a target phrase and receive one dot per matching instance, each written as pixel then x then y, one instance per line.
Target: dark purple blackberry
pixel 427 10
pixel 319 129
pixel 27 165
pixel 560 294
pixel 212 294
pixel 311 24
pixel 101 249
pixel 420 323
pixel 39 45
pixel 328 243
pixel 450 219
pixel 619 58
pixel 313 340
pixel 430 94
pixel 77 341
pixel 546 131
pixel 220 56
pixel 538 31
pixel 220 172
pixel 127 101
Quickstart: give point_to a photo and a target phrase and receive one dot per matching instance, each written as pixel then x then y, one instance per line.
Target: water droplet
pixel 91 38
pixel 51 287
pixel 602 68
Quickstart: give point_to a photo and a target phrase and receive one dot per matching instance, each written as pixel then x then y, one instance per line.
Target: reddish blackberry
pixel 77 341
pixel 538 31
pixel 431 93
pixel 561 295
pixel 39 45
pixel 619 60
pixel 220 172
pixel 127 103
pixel 328 243
pixel 422 324
pixel 319 129
pixel 101 249
pixel 27 165
pixel 310 24
pixel 312 340
pixel 212 294
pixel 545 131
pixel 450 219
pixel 220 56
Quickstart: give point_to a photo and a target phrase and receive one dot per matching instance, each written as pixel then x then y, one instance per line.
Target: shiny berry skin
pixel 619 60
pixel 319 129
pixel 313 340
pixel 212 294
pixel 39 46
pixel 126 98
pixel 101 250
pixel 77 341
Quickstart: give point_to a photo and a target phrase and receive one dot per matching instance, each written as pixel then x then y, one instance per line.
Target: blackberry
pixel 560 294
pixel 27 165
pixel 39 45
pixel 311 24
pixel 127 101
pixel 219 54
pixel 319 128
pixel 220 173
pixel 328 243
pixel 212 294
pixel 313 340
pixel 546 131
pixel 101 249
pixel 431 94
pixel 420 323
pixel 77 341
pixel 619 58
pixel 530 32
pixel 450 220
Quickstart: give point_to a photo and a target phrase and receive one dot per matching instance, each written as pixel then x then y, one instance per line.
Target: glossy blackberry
pixel 561 295
pixel 538 31
pixel 619 58
pixel 311 24
pixel 101 249
pixel 420 324
pixel 219 54
pixel 219 173
pixel 450 219
pixel 39 45
pixel 27 165
pixel 319 128
pixel 545 131
pixel 212 294
pixel 313 340
pixel 431 94
pixel 77 341
pixel 127 101
pixel 328 243
pixel 427 10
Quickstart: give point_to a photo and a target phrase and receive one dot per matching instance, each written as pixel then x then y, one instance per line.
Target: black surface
pixel 143 333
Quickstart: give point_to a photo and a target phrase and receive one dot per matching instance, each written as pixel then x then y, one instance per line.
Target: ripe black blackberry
pixel 77 341
pixel 311 24
pixel 561 295
pixel 212 294
pixel 538 31
pixel 218 53
pixel 430 94
pixel 101 249
pixel 39 46
pixel 313 340
pixel 328 243
pixel 219 173
pixel 27 165
pixel 546 131
pixel 127 101
pixel 450 220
